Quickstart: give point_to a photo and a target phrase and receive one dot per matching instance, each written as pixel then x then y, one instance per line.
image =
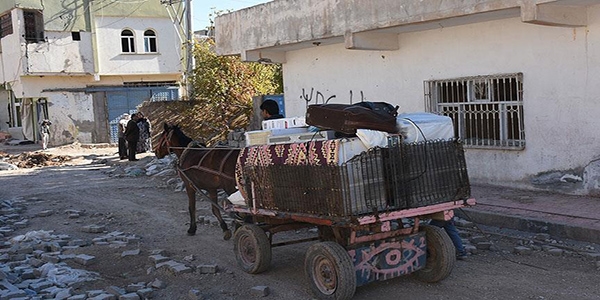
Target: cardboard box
pixel 301 137
pixel 257 137
pixel 284 123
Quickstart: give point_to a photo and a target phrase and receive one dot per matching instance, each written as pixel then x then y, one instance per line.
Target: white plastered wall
pixel 61 54
pixel 559 66
pixel 70 112
pixel 112 62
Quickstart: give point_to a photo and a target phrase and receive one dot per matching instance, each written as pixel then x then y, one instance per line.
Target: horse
pixel 200 168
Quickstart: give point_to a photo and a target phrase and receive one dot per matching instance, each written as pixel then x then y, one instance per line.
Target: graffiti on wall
pixel 319 97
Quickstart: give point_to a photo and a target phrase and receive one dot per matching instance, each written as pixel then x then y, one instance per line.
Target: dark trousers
pixel 122 148
pixel 131 147
pixel 452 233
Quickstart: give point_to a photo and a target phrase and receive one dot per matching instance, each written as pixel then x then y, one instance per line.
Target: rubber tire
pixel 329 261
pixel 441 255
pixel 252 249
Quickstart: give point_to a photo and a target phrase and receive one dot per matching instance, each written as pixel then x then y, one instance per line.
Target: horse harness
pixel 218 172
pixel 166 138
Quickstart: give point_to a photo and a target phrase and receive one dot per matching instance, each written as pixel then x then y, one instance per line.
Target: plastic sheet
pixel 420 126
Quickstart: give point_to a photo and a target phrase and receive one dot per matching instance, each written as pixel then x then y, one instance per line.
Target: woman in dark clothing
pixel 132 135
pixel 144 144
pixel 122 142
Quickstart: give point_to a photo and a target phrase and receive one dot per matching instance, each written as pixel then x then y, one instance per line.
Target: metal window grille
pixel 34 26
pixel 487 111
pixel 5 25
pixel 382 179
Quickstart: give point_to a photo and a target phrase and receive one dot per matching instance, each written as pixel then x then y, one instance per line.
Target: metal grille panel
pixel 382 179
pixel 487 110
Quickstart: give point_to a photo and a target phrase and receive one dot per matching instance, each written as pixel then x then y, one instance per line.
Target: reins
pixel 166 140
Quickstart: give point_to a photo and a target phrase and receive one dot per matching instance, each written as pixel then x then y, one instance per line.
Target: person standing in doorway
pixel 45 132
pixel 132 135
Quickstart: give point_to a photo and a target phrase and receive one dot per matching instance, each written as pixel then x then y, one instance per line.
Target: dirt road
pixel 151 212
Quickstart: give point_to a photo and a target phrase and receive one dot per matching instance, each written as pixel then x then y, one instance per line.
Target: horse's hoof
pixel 227 235
pixel 191 232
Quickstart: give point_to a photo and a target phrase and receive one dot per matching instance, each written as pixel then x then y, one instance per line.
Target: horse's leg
pixel 191 193
pixel 215 209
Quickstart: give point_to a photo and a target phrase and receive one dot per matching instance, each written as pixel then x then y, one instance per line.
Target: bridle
pixel 166 139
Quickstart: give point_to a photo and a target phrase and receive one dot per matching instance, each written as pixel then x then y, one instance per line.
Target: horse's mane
pixel 184 140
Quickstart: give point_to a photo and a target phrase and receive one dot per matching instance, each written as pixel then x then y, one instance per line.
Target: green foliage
pixel 226 86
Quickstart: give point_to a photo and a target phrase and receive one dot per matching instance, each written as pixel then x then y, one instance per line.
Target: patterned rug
pixel 314 153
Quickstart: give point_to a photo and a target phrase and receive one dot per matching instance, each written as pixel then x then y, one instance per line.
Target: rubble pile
pixel 34 266
pixel 476 241
pixel 35 159
pixel 162 170
pixel 38 264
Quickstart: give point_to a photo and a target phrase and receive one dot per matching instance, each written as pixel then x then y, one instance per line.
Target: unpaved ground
pixel 146 207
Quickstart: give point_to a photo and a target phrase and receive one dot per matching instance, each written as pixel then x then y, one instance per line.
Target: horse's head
pixel 172 137
pixel 162 147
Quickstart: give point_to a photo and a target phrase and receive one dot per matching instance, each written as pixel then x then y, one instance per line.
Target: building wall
pixel 61 69
pixel 10 4
pixel 4 99
pixel 559 66
pixel 12 52
pixel 112 61
pixel 61 54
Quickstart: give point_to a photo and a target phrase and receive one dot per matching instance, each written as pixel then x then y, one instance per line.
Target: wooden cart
pixel 368 212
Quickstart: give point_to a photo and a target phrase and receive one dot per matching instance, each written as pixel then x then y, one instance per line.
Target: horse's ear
pixel 166 126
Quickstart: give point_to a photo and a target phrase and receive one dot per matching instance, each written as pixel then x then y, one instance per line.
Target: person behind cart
pixel 452 232
pixel 270 110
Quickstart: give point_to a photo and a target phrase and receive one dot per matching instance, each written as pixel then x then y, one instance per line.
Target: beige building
pixel 518 77
pixel 82 64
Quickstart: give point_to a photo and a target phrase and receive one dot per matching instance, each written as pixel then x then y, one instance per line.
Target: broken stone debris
pixel 30 269
pixel 32 159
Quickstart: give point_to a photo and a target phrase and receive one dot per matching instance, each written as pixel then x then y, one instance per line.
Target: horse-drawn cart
pixel 367 210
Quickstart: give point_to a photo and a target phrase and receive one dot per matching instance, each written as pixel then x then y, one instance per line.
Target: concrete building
pixel 517 76
pixel 82 64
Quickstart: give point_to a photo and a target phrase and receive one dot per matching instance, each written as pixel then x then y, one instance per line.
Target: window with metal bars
pixel 487 111
pixel 34 26
pixel 5 25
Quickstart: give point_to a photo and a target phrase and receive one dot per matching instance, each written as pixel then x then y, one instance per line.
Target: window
pixel 5 25
pixel 76 35
pixel 14 111
pixel 34 26
pixel 149 41
pixel 487 111
pixel 127 41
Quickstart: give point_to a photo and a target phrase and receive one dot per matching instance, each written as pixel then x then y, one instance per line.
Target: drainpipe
pixel 189 44
pixel 94 40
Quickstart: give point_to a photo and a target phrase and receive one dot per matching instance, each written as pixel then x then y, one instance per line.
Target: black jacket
pixel 132 131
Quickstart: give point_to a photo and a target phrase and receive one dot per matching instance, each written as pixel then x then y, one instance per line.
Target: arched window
pixel 150 41
pixel 127 41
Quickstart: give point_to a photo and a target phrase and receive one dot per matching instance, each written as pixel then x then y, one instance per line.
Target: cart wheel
pixel 440 255
pixel 330 271
pixel 252 249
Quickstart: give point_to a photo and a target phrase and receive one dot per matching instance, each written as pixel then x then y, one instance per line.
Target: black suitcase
pixel 347 118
